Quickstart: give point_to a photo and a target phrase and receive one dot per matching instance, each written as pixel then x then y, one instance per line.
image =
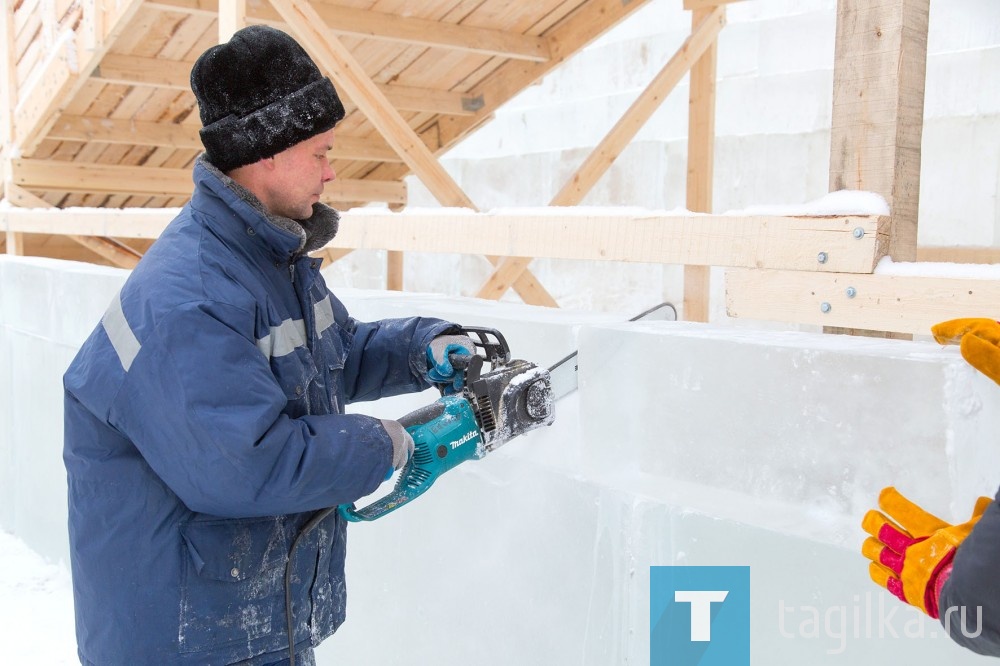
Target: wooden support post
pixel 14 241
pixel 703 36
pixel 232 17
pixel 394 271
pixel 701 147
pixel 878 103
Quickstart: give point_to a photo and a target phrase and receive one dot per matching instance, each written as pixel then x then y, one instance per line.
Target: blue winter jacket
pixel 204 427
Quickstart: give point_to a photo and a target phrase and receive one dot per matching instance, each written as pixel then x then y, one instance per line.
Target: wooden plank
pixel 394 271
pixel 65 71
pixel 960 255
pixel 394 28
pixel 700 162
pixel 907 305
pixel 879 71
pixel 707 240
pixel 118 254
pixel 115 179
pixel 175 135
pixel 791 243
pixel 114 251
pixel 232 17
pixel 174 74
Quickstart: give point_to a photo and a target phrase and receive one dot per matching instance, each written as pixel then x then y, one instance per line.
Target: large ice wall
pixel 686 444
pixel 773 114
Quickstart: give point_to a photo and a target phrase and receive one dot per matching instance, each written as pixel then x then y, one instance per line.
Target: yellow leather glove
pixel 979 340
pixel 911 550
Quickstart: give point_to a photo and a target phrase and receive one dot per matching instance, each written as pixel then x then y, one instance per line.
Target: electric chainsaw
pixel 491 407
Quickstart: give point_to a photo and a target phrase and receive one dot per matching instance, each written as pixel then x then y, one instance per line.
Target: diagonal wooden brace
pixel 316 38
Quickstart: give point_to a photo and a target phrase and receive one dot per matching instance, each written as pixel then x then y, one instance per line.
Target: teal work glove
pixel 440 370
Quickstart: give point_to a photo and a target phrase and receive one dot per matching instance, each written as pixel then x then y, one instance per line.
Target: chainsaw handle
pixel 445 434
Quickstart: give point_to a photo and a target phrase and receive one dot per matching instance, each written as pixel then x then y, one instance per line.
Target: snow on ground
pixel 36 608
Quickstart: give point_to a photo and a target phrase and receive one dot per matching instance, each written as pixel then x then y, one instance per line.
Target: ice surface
pixel 686 444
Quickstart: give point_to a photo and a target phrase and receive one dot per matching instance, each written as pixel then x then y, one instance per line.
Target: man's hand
pixel 402 444
pixel 979 340
pixel 912 550
pixel 440 370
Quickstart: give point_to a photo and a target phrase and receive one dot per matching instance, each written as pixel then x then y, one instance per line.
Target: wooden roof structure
pixel 103 115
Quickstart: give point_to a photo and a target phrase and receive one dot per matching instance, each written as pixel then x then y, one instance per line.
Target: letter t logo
pixel 701 610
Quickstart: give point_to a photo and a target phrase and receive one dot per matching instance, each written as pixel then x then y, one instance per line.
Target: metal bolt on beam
pixel 822 257
pixel 825 307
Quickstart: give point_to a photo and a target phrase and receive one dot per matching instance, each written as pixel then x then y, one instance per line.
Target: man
pixel 204 415
pixel 947 571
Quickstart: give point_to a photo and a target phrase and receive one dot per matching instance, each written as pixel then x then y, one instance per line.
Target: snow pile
pixel 36 607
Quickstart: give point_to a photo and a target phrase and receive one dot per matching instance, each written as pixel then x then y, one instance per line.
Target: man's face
pixel 299 175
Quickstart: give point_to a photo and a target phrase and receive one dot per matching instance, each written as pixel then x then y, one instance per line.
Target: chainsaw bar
pixel 563 372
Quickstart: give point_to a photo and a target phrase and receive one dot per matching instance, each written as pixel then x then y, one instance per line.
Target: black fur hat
pixel 258 94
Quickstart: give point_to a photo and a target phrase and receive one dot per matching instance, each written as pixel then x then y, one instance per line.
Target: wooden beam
pixel 114 251
pixel 118 254
pixel 59 176
pixel 13 241
pixel 848 243
pixel 701 160
pixel 960 255
pixel 903 304
pixel 173 135
pixel 611 146
pixel 392 27
pixel 328 255
pixel 132 70
pixel 232 17
pixel 878 101
pixel 67 67
pixel 852 244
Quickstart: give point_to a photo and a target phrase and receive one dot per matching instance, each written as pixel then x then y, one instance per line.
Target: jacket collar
pixel 284 236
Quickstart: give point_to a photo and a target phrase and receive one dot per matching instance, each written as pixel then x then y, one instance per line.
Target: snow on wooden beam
pixel 908 304
pixel 849 243
pixel 391 27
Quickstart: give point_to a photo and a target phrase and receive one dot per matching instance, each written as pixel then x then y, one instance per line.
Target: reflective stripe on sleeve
pixel 283 338
pixel 119 333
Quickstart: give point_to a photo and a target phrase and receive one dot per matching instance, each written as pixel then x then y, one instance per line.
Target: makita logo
pixel 463 439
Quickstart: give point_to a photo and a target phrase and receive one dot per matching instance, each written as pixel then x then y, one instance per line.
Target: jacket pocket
pixel 232 591
pixel 296 372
